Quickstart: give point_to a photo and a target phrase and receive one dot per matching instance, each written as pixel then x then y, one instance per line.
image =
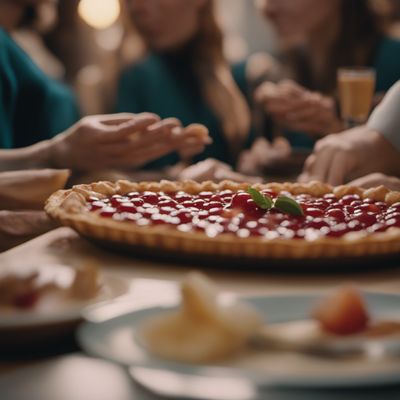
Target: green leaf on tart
pixel 264 202
pixel 289 206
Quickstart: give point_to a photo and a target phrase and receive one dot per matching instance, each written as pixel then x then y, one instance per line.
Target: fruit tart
pixel 259 221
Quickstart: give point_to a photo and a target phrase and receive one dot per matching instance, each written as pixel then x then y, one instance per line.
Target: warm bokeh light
pixel 99 14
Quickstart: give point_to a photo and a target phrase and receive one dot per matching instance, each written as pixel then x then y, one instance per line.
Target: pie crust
pixel 69 207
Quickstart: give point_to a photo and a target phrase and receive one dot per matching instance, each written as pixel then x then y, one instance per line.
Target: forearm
pixel 386 117
pixel 38 155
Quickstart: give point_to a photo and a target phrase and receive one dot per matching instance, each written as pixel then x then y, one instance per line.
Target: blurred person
pixel 37 20
pixel 48 106
pixel 185 75
pixel 370 154
pixel 316 38
pixel 121 141
pixel 33 109
pixel 37 133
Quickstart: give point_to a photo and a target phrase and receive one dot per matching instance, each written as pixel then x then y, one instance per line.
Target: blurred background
pixel 86 43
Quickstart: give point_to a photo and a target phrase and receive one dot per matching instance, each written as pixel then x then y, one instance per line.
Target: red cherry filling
pixel 238 214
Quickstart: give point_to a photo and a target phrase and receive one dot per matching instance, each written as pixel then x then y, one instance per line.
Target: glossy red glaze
pixel 237 213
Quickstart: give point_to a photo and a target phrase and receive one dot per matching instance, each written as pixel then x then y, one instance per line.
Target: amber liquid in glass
pixel 356 92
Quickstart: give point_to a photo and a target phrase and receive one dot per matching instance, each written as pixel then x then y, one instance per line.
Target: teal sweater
pixel 165 85
pixel 33 107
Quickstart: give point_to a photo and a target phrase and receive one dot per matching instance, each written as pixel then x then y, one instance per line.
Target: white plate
pixel 115 340
pixel 111 287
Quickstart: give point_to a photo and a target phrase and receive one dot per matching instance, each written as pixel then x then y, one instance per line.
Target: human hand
pixel 263 154
pixel 298 109
pixel 354 153
pixel 191 140
pixel 214 170
pixel 377 179
pixel 113 141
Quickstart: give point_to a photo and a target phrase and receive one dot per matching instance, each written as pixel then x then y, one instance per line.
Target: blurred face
pixel 165 24
pixel 299 17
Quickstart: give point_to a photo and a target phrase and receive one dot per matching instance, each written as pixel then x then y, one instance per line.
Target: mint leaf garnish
pixel 264 202
pixel 288 206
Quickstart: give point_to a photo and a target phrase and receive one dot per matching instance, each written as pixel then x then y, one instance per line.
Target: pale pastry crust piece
pixel 69 208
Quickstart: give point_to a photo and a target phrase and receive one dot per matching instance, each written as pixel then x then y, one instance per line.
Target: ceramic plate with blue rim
pixel 116 339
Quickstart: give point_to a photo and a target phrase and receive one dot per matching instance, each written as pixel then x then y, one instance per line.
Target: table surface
pixel 66 373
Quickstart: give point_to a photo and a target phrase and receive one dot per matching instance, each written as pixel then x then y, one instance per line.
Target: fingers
pixel 138 128
pixel 192 134
pixel 297 108
pixel 197 130
pixel 336 173
pixel 126 140
pixel 283 89
pixel 119 118
pixel 191 140
pixel 264 91
pixel 371 180
pixel 165 126
pixel 377 179
pixel 135 159
pixel 317 166
pixel 302 113
pixel 328 164
pixel 115 133
pixel 189 152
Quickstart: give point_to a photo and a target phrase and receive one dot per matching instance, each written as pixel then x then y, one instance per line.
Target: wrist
pixel 56 152
pixel 386 153
pixel 37 155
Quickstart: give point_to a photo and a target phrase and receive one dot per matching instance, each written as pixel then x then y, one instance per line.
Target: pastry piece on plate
pixel 201 329
pixel 30 288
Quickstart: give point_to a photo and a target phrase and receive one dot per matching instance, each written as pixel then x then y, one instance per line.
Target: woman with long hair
pixel 316 38
pixel 39 127
pixel 184 74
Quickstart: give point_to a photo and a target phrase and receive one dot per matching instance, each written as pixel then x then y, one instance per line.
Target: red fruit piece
pixel 348 199
pixel 240 200
pixel 314 212
pixel 367 219
pixel 336 213
pixel 150 197
pixel 26 300
pixel 108 212
pixel 127 207
pixel 343 313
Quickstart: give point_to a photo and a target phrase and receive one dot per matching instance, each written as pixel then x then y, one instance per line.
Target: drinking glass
pixel 356 92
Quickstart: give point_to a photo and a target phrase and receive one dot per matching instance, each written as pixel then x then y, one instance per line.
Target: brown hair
pixel 217 83
pixel 360 31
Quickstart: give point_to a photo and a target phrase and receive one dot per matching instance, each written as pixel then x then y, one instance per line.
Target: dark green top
pixel 33 107
pixel 165 85
pixel 387 65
